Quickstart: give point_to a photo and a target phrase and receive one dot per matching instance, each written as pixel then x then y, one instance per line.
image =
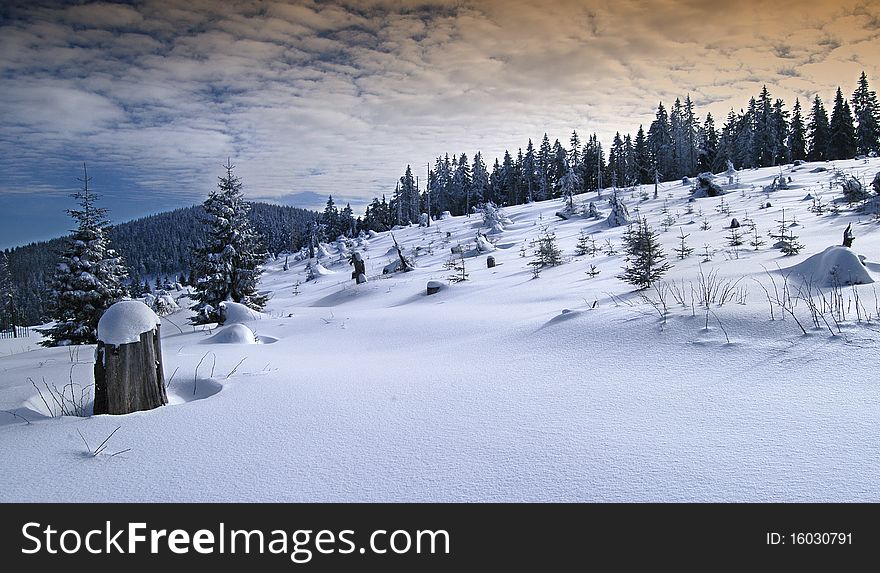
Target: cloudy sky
pixel 310 98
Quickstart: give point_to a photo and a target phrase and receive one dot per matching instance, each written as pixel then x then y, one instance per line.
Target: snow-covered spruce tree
pixel 619 213
pixel 7 296
pixel 645 260
pixel 570 184
pixel 89 277
pixel 230 264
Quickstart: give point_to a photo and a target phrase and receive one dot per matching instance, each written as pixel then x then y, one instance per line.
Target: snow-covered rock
pixel 835 266
pixel 125 321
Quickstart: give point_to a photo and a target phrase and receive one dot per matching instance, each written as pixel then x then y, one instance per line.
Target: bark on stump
pixel 129 377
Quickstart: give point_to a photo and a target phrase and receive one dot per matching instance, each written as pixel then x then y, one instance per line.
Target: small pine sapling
pixel 456 264
pixel 734 237
pixel 757 242
pixel 583 244
pixel 683 250
pixel 608 248
pixel 547 251
pixel 645 260
pixel 707 253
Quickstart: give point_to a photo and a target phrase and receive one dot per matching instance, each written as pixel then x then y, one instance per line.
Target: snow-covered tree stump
pixel 434 287
pixel 128 360
pixel 490 262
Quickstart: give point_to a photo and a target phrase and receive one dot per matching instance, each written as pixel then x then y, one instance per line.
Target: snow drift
pixel 234 334
pixel 834 266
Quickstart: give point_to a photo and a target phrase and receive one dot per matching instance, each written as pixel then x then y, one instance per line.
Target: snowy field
pixel 504 387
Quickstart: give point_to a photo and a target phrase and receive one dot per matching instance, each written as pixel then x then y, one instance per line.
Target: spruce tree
pixel 346 224
pixel 8 314
pixel 819 132
pixel 330 220
pixel 842 144
pixel 229 266
pixel 545 175
pixel 479 188
pixel 867 114
pixel 643 157
pixel 645 260
pixel 89 277
pixel 797 136
pixel 570 184
pixel 708 145
pixel 660 145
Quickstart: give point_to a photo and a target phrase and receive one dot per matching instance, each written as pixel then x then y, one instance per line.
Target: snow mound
pixel 236 313
pixel 125 321
pixel 834 266
pixel 322 270
pixel 234 334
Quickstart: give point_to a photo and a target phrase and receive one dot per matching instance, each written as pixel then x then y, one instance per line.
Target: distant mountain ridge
pixel 158 245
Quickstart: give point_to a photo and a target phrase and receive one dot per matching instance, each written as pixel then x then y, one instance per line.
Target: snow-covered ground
pixel 504 387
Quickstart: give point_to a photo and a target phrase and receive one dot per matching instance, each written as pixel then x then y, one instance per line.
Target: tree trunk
pixel 129 377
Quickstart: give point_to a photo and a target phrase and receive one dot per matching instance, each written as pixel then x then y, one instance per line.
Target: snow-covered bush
pixel 493 216
pixel 161 303
pixel 619 213
pixel 853 189
pixel 706 186
pixel 483 244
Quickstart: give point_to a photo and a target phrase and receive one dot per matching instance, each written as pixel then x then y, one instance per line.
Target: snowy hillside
pixel 568 386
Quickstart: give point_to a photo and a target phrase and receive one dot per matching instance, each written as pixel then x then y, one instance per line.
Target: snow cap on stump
pixel 125 321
